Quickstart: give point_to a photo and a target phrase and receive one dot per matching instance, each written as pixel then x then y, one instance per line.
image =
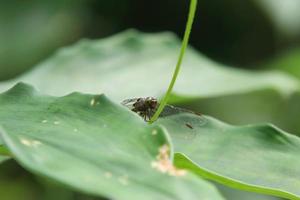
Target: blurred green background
pixel 253 34
pixel 238 33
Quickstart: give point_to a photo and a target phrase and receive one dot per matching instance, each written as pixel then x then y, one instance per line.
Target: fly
pixel 145 107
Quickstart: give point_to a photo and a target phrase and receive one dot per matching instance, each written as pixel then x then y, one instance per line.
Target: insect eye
pixel 153 103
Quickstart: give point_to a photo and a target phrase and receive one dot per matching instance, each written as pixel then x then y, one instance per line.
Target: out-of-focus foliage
pixel 32 29
pixel 3 158
pixel 288 62
pixel 284 14
pixel 18 184
pixel 235 32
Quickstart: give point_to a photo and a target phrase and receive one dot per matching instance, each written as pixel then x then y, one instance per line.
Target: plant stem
pixel 164 101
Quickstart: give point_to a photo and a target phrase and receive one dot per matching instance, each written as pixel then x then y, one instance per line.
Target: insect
pixel 145 107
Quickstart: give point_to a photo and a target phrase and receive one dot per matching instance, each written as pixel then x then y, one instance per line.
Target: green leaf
pixel 16 184
pixel 3 158
pixel 133 58
pixel 258 158
pixel 134 64
pixel 3 152
pixel 288 62
pixel 251 108
pixel 235 194
pixel 93 145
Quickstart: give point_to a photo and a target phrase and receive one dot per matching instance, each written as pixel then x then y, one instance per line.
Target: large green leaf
pixel 134 64
pixel 91 144
pixel 144 62
pixel 259 158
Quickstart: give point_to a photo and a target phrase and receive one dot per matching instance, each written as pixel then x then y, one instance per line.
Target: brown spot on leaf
pixel 164 165
pixel 189 125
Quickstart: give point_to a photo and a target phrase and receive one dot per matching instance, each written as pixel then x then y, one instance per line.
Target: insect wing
pixel 129 102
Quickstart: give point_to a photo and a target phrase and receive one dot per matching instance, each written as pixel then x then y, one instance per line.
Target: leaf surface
pixel 143 62
pixel 258 158
pixel 133 64
pixel 93 145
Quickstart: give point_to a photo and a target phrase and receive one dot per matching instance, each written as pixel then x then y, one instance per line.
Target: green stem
pixel 164 101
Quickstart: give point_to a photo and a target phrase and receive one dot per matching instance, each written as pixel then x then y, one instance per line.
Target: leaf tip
pixel 21 89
